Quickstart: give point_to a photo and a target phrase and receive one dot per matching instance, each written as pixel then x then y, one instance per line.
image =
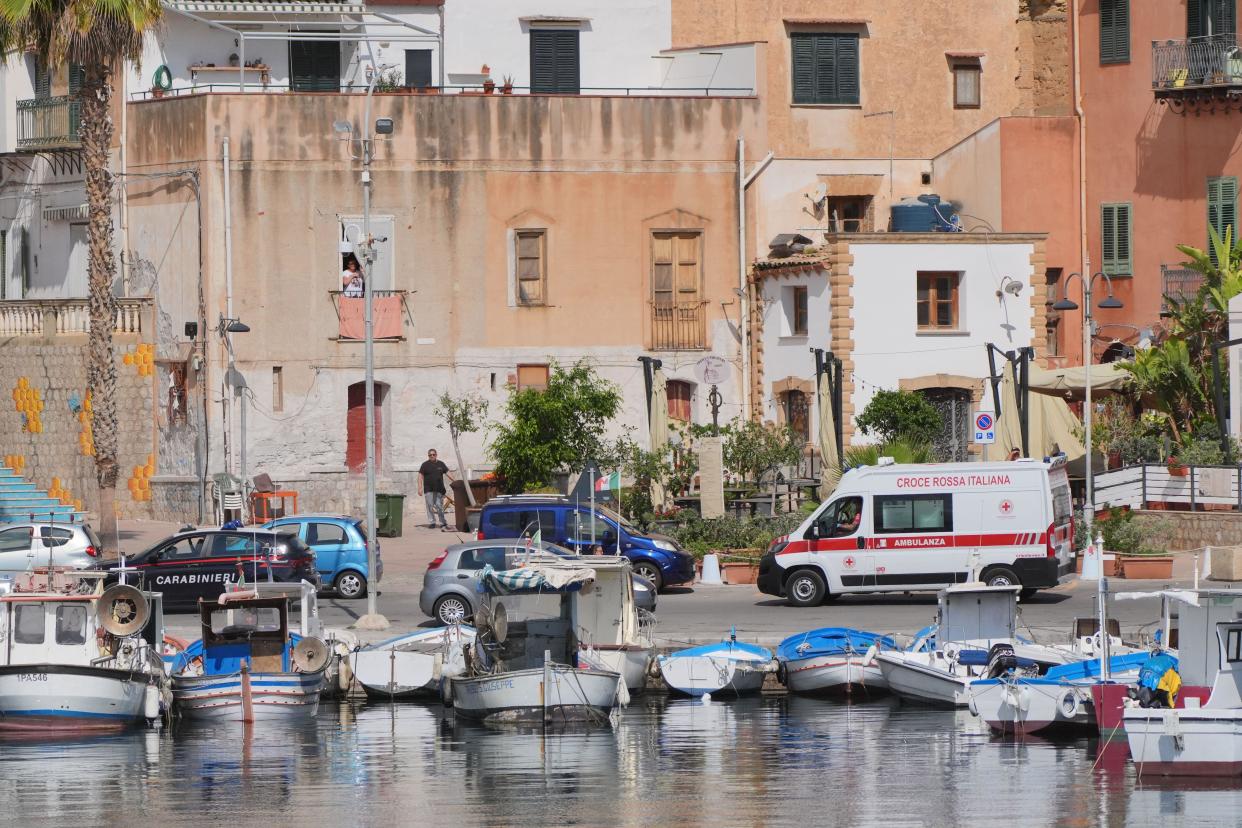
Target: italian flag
pixel 609 482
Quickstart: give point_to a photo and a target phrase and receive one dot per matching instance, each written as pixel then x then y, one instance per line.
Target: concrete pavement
pixel 700 614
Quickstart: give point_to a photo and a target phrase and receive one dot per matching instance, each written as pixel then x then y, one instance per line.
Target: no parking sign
pixel 985 427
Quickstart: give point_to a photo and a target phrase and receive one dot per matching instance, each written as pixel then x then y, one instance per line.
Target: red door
pixel 356 427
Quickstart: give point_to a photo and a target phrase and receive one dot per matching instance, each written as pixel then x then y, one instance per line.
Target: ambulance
pixel 901 528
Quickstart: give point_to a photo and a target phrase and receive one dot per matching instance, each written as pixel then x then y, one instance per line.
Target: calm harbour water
pixel 772 761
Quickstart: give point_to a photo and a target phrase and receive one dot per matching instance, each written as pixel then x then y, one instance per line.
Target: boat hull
pixel 834 674
pixel 42 697
pixel 1024 707
pixel 405 667
pixel 1203 742
pixel 273 696
pixel 518 696
pixel 631 662
pixel 700 675
pixel 912 677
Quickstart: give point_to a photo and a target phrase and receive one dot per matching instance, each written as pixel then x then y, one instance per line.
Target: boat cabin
pixel 976 612
pixel 1227 687
pixel 249 631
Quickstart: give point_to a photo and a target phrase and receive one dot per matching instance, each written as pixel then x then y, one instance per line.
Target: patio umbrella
pixel 1051 426
pixel 658 422
pixel 1008 424
pixel 827 439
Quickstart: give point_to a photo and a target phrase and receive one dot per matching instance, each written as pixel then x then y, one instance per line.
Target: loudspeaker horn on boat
pixel 123 610
pixel 310 654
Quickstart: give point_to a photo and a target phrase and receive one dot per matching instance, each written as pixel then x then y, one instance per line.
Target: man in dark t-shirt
pixel 431 486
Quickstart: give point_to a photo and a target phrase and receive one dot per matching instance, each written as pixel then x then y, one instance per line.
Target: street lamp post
pixel 225 327
pixel 1088 331
pixel 372 620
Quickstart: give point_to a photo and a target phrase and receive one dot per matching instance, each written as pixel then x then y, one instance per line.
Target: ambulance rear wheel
pixel 805 588
pixel 1000 576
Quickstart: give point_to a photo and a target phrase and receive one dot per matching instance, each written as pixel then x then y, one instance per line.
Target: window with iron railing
pixel 678 314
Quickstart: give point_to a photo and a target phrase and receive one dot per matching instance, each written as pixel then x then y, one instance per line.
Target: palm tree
pixel 97 35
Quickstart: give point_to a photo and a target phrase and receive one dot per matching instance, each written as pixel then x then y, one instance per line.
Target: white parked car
pixel 23 545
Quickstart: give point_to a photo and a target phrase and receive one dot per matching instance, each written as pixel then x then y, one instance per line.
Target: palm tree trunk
pixel 96 135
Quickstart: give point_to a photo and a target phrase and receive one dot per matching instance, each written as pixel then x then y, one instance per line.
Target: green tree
pixel 752 449
pixel 900 414
pixel 96 35
pixel 558 429
pixel 464 414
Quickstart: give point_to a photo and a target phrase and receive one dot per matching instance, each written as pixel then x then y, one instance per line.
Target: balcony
pixel 388 312
pixel 59 317
pixel 679 327
pixel 1180 284
pixel 1196 69
pixel 48 123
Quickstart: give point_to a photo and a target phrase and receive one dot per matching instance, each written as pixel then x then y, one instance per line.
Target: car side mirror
pixel 812 532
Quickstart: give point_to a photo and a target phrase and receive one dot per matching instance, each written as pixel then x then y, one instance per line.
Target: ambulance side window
pixel 841 519
pixel 906 514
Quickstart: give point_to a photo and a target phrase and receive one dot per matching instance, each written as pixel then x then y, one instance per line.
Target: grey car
pixel 23 545
pixel 451 584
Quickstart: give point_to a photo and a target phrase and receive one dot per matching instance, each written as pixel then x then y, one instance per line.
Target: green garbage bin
pixel 388 510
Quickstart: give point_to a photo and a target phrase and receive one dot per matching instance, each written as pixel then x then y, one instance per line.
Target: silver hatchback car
pixel 23 545
pixel 451 584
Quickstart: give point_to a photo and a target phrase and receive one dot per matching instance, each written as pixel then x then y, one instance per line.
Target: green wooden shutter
pixel 825 69
pixel 42 82
pixel 25 264
pixel 1222 205
pixel 1224 21
pixel 847 69
pixel 76 77
pixel 803 48
pixel 1115 31
pixel 568 78
pixel 1195 18
pixel 4 265
pixel 554 61
pixel 314 66
pixel 1115 239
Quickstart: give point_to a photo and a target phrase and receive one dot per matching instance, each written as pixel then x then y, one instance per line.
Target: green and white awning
pixel 206 7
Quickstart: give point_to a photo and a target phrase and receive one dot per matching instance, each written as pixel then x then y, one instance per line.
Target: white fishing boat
pixel 408 666
pixel 248 666
pixel 731 667
pixel 613 634
pixel 1195 740
pixel 975 636
pixel 520 667
pixel 76 657
pixel 832 660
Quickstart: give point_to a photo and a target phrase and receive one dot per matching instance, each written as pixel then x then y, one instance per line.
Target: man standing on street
pixel 431 486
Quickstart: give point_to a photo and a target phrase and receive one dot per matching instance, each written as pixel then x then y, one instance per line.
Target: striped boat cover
pixel 536 579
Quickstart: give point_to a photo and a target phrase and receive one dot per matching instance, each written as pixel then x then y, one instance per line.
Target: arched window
pixel 797 415
pixel 680 400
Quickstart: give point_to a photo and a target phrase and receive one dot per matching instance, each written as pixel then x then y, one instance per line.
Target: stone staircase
pixel 21 501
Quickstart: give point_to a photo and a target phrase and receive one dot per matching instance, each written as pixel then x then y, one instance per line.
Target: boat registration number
pixel 32 676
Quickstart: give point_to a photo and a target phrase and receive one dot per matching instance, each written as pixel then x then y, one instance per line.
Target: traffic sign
pixel 985 427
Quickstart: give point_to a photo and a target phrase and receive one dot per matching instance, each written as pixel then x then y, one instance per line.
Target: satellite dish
pixel 122 610
pixel 500 623
pixel 310 655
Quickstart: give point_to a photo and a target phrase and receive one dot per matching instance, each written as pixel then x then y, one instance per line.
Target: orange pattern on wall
pixel 142 357
pixel 86 437
pixel 16 462
pixel 140 481
pixel 29 403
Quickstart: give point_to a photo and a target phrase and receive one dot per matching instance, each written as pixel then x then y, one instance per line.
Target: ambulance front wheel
pixel 806 588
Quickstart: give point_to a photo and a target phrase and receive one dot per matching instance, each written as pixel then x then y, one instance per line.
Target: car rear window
pixel 1062 505
pixel 55 535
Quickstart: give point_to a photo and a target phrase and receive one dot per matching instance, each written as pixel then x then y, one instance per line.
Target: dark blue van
pixel 658 558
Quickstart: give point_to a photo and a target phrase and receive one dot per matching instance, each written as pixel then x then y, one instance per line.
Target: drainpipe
pixel 441 56
pixel 228 305
pixel 1083 250
pixel 742 288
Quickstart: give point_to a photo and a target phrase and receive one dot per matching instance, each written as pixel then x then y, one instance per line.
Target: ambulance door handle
pixel 862 543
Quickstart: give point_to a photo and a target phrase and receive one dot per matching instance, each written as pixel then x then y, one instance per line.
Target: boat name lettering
pixel 204 578
pixel 946 481
pixel 491 685
pixel 32 676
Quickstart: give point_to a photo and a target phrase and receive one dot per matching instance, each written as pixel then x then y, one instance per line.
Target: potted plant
pixel 739 566
pixel 157 92
pixel 1175 467
pixel 1140 543
pixel 506 87
pixel 489 86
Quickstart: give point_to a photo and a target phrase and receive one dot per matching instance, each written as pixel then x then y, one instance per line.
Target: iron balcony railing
pixel 48 122
pixel 679 326
pixel 1196 62
pixel 1178 283
pixel 467 90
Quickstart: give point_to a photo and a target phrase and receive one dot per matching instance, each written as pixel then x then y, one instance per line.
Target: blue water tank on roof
pixel 921 214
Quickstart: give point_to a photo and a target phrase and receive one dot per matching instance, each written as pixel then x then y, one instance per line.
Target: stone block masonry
pixel 45 420
pixel 1195 530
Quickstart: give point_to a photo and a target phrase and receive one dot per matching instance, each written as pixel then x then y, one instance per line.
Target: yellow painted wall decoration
pixel 86 437
pixel 29 403
pixel 142 357
pixel 16 462
pixel 61 493
pixel 140 481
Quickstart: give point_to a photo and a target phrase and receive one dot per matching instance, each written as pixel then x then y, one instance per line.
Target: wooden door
pixel 356 427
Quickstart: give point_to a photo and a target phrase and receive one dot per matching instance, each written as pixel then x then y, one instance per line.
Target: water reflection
pixel 774 761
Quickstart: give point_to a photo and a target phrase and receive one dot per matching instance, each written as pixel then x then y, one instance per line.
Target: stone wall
pixel 45 419
pixel 1195 530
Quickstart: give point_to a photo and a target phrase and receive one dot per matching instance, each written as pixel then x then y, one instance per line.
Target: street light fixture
pixel 233 380
pixel 1109 302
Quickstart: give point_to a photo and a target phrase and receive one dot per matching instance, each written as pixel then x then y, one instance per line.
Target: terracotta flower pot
pixel 1179 471
pixel 1147 567
pixel 739 572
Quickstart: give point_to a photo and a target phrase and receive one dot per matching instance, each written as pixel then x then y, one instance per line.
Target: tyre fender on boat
pixel 782 673
pixel 869 658
pixel 1069 704
pixel 973 706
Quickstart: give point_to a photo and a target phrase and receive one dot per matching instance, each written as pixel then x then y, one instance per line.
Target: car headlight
pixel 668 546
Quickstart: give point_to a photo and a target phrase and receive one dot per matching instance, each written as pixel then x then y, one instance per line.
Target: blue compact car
pixel 340 547
pixel 657 558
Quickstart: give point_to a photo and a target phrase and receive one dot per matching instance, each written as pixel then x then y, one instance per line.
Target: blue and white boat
pixel 832 660
pixel 248 666
pixel 728 667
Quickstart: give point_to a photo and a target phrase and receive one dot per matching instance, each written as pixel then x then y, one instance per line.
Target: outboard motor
pixel 1001 660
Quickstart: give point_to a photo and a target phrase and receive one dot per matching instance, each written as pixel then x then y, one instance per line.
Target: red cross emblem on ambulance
pixel 1006 507
pixel 849 562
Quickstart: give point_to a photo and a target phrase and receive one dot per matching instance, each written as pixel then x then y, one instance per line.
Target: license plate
pixel 32 677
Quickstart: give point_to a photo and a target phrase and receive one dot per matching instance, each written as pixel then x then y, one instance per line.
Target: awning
pixel 535 578
pixel 206 7
pixel 79 211
pixel 1072 381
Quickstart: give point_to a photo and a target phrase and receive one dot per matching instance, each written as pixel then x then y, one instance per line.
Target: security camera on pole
pixel 383 126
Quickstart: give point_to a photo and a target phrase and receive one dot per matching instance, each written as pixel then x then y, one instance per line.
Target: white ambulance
pixel 898 528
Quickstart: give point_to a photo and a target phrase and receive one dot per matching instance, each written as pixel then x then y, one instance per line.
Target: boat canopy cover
pixel 536 578
pixel 831 641
pixel 1186 596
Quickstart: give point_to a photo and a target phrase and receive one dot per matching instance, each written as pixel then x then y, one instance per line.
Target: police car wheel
pixel 805 588
pixel 1002 577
